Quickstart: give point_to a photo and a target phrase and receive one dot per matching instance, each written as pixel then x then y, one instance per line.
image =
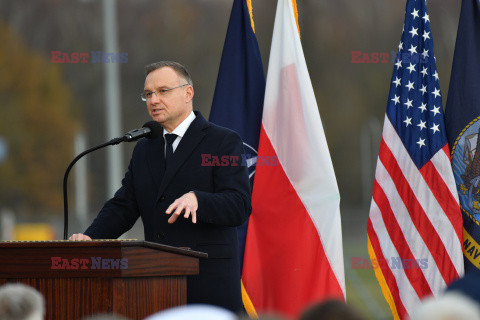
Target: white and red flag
pixel 293 254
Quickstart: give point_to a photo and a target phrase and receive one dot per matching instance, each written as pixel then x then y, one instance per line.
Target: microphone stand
pixel 65 179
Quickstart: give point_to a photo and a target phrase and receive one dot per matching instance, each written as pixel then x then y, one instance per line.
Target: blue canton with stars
pixel 415 104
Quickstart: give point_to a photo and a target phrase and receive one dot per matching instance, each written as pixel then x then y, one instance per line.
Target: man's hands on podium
pixel 79 236
pixel 186 205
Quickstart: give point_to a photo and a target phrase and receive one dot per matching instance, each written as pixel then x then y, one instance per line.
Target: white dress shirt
pixel 179 131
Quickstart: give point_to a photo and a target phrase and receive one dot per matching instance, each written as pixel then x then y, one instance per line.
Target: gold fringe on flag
pixel 250 11
pixel 247 304
pixel 295 11
pixel 383 283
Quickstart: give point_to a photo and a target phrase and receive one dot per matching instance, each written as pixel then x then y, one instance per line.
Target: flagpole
pixel 113 114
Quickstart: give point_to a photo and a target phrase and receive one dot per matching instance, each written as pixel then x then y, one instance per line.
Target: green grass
pixel 361 284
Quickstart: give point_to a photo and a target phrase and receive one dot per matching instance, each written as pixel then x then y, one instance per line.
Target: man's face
pixel 171 107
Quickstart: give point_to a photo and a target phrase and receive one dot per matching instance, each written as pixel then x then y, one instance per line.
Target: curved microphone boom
pixel 149 130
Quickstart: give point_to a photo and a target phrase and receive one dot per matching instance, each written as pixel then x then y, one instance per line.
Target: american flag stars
pixel 413 49
pixel 415 100
pixel 426 18
pixel 424 71
pixel 426 35
pixel 411 67
pixel 413 32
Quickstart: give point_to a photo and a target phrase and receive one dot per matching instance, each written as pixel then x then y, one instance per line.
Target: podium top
pixel 94 259
pixel 111 243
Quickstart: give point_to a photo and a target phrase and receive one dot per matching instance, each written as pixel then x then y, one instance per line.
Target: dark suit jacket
pixel 224 202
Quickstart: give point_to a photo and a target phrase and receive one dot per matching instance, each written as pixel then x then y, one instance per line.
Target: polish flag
pixel 293 256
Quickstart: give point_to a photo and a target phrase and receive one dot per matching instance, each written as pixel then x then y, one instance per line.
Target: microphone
pixel 149 130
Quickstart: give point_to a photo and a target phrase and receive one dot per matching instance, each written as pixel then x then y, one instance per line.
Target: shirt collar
pixel 182 127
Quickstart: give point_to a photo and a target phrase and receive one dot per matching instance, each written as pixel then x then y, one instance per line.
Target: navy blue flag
pixel 238 100
pixel 462 118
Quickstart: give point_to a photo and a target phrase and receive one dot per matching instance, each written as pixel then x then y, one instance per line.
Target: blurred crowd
pixel 460 301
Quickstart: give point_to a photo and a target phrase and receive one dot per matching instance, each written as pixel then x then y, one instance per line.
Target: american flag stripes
pixel 415 224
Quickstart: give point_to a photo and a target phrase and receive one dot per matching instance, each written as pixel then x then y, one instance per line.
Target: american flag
pixel 415 224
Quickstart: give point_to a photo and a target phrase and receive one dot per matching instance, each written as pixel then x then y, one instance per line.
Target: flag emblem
pixel 250 159
pixel 466 163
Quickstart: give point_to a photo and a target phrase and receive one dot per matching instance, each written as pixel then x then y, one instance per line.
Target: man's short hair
pixel 19 301
pixel 331 309
pixel 179 69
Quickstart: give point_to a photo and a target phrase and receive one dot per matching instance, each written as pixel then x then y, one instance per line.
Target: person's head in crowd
pixel 194 311
pixel 331 310
pixel 262 316
pixel 21 302
pixel 449 306
pixel 468 285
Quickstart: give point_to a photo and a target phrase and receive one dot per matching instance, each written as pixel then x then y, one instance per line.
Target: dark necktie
pixel 169 137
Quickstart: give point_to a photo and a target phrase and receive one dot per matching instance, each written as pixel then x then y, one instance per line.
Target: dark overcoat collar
pixel 156 157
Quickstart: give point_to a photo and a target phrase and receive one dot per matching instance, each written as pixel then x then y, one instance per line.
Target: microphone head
pixel 156 129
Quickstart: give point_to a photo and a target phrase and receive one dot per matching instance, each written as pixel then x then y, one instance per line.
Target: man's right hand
pixel 79 236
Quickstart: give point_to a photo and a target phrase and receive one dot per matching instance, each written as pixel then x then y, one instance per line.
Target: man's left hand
pixel 186 205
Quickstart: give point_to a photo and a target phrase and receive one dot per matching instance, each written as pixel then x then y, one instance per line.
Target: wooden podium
pixel 81 278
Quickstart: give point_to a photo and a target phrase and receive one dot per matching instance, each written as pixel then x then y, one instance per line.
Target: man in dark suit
pixel 182 198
